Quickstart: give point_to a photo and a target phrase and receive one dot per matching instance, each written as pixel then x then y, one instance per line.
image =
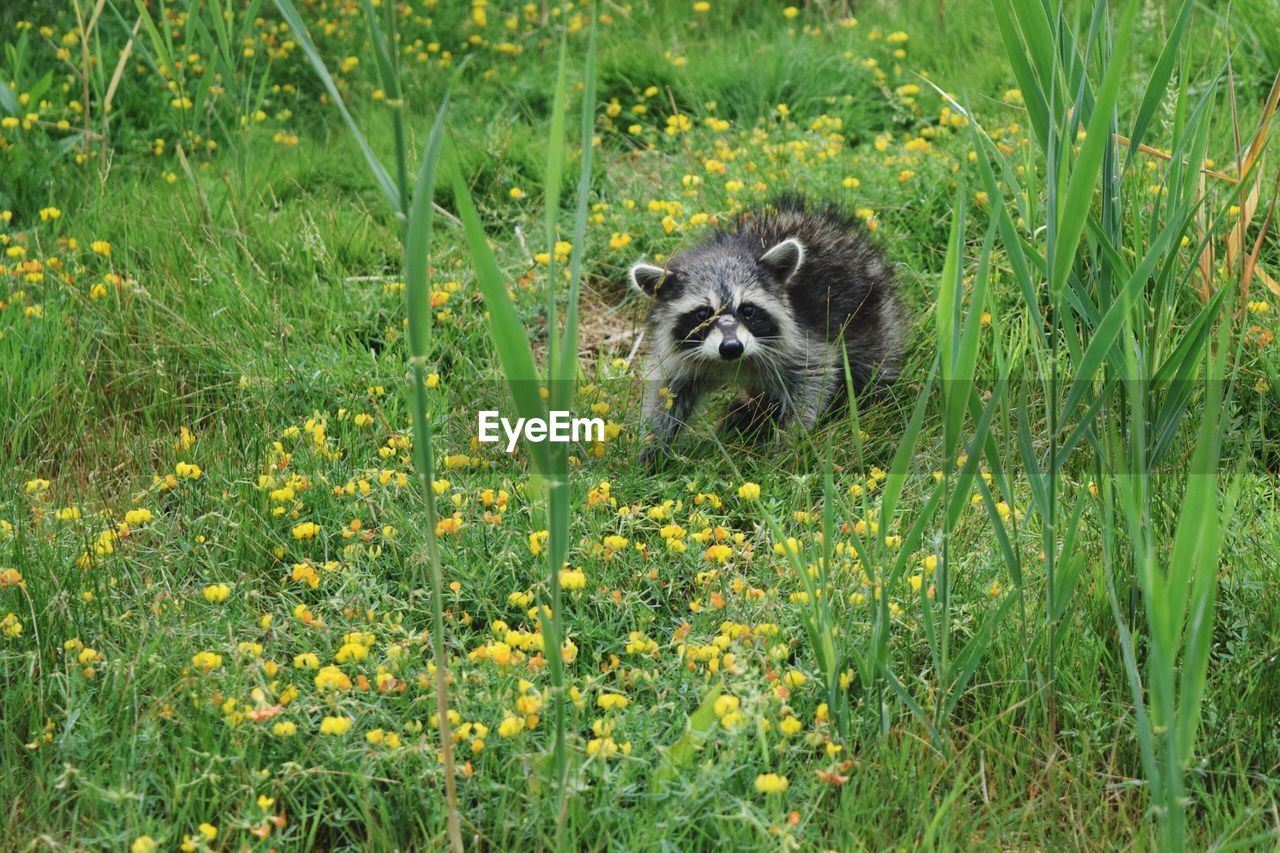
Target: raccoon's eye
pixel 703 314
pixel 747 311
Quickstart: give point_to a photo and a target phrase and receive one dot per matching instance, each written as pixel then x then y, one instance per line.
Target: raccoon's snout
pixel 730 347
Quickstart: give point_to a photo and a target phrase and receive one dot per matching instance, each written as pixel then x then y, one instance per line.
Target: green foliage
pixel 1024 598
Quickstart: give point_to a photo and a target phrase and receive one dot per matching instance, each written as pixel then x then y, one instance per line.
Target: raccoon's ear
pixel 784 259
pixel 646 278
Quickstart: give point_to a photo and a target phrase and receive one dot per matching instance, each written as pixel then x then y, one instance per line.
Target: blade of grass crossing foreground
pixel 563 389
pixel 415 213
pixel 418 301
pixel 1075 204
pixel 510 340
pixel 556 470
pixel 389 74
pixel 562 373
pixel 516 359
pixel 551 199
pixel 1157 84
pixel 380 174
pixel 1184 614
pixel 1028 82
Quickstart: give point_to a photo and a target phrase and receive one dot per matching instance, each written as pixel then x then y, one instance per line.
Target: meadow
pixel 262 589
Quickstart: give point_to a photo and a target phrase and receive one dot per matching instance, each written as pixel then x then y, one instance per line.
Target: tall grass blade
pixel 699 727
pixel 568 366
pixel 1158 82
pixel 418 302
pixel 510 341
pixel 551 199
pixel 1074 206
pixel 380 174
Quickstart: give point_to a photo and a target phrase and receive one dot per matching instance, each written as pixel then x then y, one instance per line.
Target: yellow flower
pixel 332 678
pixel 144 844
pixel 216 593
pixel 136 517
pixel 187 471
pixel 510 726
pixel 607 747
pixel 208 830
pixel 452 524
pixel 718 553
pixel 352 651
pixel 207 661
pixel 306 530
pixel 702 7
pixel 726 704
pixel 571 579
pixel 612 701
pixel 336 726
pixel 771 783
pixel 307 660
pixel 749 491
pixel 284 728
pixel 790 12
pixel 538 540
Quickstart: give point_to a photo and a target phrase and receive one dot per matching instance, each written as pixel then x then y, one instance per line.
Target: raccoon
pixel 768 304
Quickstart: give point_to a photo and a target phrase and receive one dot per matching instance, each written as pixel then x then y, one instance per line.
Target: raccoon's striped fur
pixel 765 305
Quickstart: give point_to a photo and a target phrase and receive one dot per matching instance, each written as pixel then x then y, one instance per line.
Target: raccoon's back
pixel 843 283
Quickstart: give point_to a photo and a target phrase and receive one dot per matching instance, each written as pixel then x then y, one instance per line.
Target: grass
pixel 1027 599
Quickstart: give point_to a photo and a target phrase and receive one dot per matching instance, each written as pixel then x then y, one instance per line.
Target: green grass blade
pixel 969 658
pixel 380 173
pixel 1033 93
pixel 912 705
pixel 551 202
pixel 681 753
pixel 1158 82
pixel 1074 205
pixel 897 478
pixel 568 366
pixel 510 340
pixel 418 309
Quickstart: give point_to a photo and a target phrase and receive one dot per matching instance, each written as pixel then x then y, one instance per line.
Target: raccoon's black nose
pixel 730 349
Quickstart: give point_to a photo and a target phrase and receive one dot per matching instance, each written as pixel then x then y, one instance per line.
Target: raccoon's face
pixel 720 306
